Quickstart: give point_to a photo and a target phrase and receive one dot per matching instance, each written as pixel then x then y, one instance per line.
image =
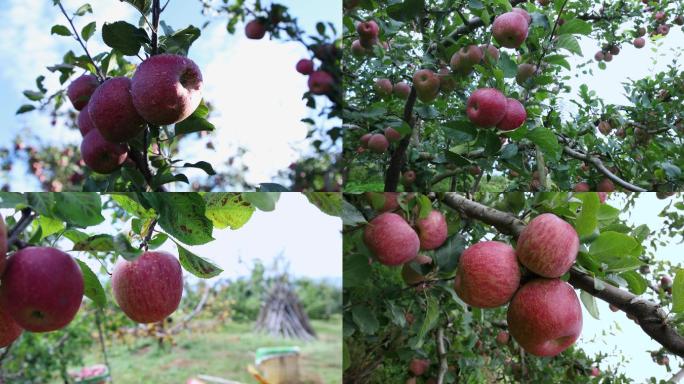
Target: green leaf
pixel 130 203
pixel 619 252
pixel 547 141
pixel 587 221
pixel 406 10
pixel 13 200
pixel 447 256
pixel 25 108
pixel 328 202
pixel 272 187
pixel 350 215
pixel 179 43
pixel 49 226
pixel 203 165
pixel 124 37
pixel 88 31
pixel 33 95
pixel 83 9
pixel 355 270
pixel 575 27
pixel 143 6
pixel 119 245
pixel 365 319
pixel 569 43
pixel 182 215
pixel 678 292
pixel 590 304
pixel 196 122
pixel 227 210
pixel 635 282
pixel 265 201
pixel 80 209
pixel 60 30
pixel 92 286
pixel 197 265
pixel 428 323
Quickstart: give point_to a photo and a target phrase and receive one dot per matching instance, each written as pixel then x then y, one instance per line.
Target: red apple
pixel 166 89
pixel 427 85
pixel 305 66
pixel 402 90
pixel 358 50
pixel 42 289
pixel 85 125
pixel 3 245
pixel 545 317
pixel 432 230
pixel 383 201
pixel 510 29
pixel 408 177
pixel 515 116
pixel 9 329
pixel 368 30
pixel 149 289
pixel 525 72
pixel 503 337
pixel 113 113
pixel 419 366
pixel 81 89
pixel 666 281
pixel 365 139
pixel 599 56
pixel 378 143
pixel 602 196
pixel 548 246
pixel 582 186
pixel 491 54
pixel 605 185
pixel 604 127
pixel 488 274
pixel 255 29
pixel 321 83
pixel 392 134
pixel 595 372
pixel 523 13
pixel 391 239
pixel 486 107
pixel 100 155
pixel 663 29
pixel 383 87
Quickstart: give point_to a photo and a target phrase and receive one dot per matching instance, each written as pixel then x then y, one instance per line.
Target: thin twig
pixel 27 217
pixel 99 74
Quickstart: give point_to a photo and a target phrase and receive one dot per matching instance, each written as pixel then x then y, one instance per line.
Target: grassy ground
pixel 223 353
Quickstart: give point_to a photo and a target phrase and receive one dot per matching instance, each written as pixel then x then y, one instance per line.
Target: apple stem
pixel 98 71
pixel 27 217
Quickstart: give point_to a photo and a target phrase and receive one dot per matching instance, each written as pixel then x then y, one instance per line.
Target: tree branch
pixel 650 316
pixel 596 162
pixel 98 72
pixel 399 155
pixel 27 217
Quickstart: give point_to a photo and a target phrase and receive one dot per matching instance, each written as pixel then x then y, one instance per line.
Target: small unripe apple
pixel 365 139
pixel 42 289
pixel 486 107
pixel 391 239
pixel 378 143
pixel 488 274
pixel 383 87
pixel 166 89
pixel 255 29
pixel 515 116
pixel 408 177
pixel 419 366
pixel 605 185
pixel 148 289
pixel 402 90
pixel 81 89
pixel 510 29
pixel 432 230
pixel 112 111
pixel 582 187
pixel 383 201
pixel 392 134
pixel 305 66
pixel 321 83
pixel 503 337
pixel 427 85
pixel 525 72
pixel 545 317
pixel 548 246
pixel 100 155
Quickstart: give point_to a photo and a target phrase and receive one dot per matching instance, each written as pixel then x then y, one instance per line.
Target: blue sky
pixel 252 84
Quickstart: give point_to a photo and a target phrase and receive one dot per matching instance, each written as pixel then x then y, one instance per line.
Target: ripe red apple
pixel 472 55
pixel 510 29
pixel 383 201
pixel 410 275
pixel 368 30
pixel 321 83
pixel 402 90
pixel 582 186
pixel 548 246
pixel 488 274
pixel 9 329
pixel 166 89
pixel 358 50
pixel 391 239
pixel 666 281
pixel 148 289
pixel 41 289
pixel 605 185
pixel 607 57
pixel 419 366
pixel 503 337
pixel 432 230
pixel 660 16
pixel 545 317
pixel 599 56
pixel 305 66
pixel 525 72
pixel 392 134
pixel 408 177
pixel 378 143
pixel 595 372
pixel 81 89
pixel 85 125
pixel 3 245
pixel 615 50
pixel 515 116
pixel 112 111
pixel 523 13
pixel 486 107
pixel 365 139
pixel 427 85
pixel 663 29
pixel 100 155
pixel 383 87
pixel 604 127
pixel 491 54
pixel 255 29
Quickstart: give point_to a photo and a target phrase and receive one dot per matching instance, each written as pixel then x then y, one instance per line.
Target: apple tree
pixel 55 241
pixel 445 288
pixel 497 95
pixel 132 119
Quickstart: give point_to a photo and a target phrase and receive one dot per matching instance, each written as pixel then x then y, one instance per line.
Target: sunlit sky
pixel 252 84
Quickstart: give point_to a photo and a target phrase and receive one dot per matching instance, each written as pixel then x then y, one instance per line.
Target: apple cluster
pixel 489 107
pixel 320 82
pixel 544 314
pixel 165 89
pixel 369 37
